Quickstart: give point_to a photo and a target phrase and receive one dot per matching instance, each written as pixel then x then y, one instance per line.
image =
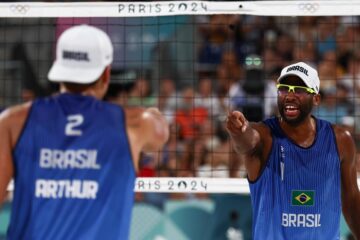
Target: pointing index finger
pixel 236 115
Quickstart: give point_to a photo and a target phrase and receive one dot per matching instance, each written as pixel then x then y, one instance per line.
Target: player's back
pixel 297 195
pixel 74 175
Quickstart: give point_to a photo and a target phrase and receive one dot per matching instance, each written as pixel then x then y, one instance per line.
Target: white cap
pixel 82 54
pixel 306 73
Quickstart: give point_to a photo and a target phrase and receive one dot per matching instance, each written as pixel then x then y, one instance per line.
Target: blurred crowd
pixel 237 61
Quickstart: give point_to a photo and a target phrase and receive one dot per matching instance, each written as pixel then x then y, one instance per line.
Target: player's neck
pixel 84 92
pixel 303 133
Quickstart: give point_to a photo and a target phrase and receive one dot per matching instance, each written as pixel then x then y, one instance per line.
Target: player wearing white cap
pixel 74 157
pixel 301 169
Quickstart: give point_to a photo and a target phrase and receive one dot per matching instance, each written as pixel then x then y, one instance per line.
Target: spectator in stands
pixel 344 51
pixel 228 72
pixel 284 47
pixel 207 99
pixel 189 117
pixel 272 60
pixel 326 40
pixel 327 74
pixel 141 94
pixel 330 109
pixel 249 36
pixel 305 30
pixel 216 35
pixel 119 91
pixel 261 100
pixel 345 97
pixel 168 98
pixel 305 52
pixel 351 76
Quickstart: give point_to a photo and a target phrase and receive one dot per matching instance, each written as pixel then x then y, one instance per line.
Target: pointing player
pixel 301 169
pixel 74 157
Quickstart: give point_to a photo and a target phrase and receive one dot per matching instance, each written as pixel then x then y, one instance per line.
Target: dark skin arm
pixel 251 140
pixel 350 194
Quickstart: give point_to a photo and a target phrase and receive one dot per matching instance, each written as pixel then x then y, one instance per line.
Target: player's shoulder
pixel 133 115
pixel 262 128
pixel 133 112
pixel 15 113
pixel 140 116
pixel 12 121
pixel 341 133
pixel 345 142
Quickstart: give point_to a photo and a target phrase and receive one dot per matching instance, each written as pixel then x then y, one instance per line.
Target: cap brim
pixel 59 73
pixel 293 74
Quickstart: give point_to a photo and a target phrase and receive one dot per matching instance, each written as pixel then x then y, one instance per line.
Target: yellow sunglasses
pixel 299 90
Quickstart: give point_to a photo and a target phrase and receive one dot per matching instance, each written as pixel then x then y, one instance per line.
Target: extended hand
pixel 236 123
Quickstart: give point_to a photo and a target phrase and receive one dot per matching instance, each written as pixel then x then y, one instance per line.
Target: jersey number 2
pixel 73 122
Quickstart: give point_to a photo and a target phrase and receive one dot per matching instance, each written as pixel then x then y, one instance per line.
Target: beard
pixel 305 110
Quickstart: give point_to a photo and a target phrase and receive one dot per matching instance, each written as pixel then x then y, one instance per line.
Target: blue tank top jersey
pixel 297 195
pixel 74 174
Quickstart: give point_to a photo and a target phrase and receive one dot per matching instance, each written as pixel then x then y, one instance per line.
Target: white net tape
pixel 169 8
pixel 189 185
pixel 196 185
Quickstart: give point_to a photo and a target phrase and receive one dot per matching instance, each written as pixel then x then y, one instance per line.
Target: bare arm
pixel 156 128
pixel 251 141
pixel 243 135
pixel 349 189
pixel 147 129
pixel 11 123
pixel 6 163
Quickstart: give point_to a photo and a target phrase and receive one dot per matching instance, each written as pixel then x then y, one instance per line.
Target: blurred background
pixel 195 69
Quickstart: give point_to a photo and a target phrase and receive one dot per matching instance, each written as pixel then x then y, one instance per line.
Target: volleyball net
pixel 195 60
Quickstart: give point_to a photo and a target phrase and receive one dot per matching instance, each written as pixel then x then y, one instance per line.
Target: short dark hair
pixel 76 87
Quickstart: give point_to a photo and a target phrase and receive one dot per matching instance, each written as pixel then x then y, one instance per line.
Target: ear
pixel 103 83
pixel 105 77
pixel 316 99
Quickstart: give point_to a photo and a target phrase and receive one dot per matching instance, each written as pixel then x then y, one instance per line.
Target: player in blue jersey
pixel 74 157
pixel 301 170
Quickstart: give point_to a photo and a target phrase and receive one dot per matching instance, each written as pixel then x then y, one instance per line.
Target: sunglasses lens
pixel 300 90
pixel 283 89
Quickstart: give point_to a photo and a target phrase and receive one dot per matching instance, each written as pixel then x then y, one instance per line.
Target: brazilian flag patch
pixel 302 197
